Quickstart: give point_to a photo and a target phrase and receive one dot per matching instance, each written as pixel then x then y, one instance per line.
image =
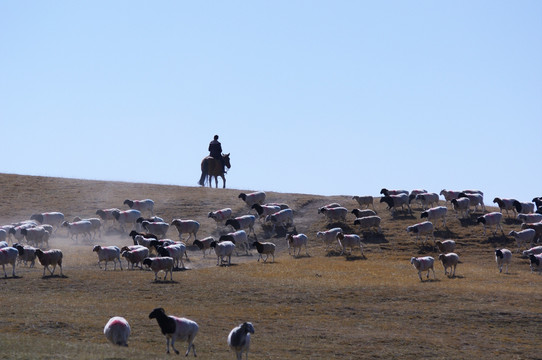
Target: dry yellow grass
pixel 318 307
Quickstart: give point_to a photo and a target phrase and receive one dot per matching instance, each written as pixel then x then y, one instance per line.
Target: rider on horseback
pixel 215 151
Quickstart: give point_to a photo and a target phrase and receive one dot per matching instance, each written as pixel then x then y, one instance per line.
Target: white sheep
pixel 436 213
pixel 160 263
pixel 220 215
pixel 424 263
pixel 296 242
pixel 503 257
pixel 537 227
pixel 175 328
pixel 52 218
pixel 283 218
pixel 8 255
pixel 144 241
pixel 265 248
pixel 37 236
pixel 505 204
pixel 239 339
pixel 493 218
pixel 529 218
pixel 449 260
pixel 223 249
pixel 257 197
pixel 245 222
pixel 48 258
pixel 523 237
pixel 329 237
pixel 96 225
pixel 446 246
pixel 475 200
pixel 532 251
pixel 204 244
pixel 461 207
pixel 359 213
pixel 472 191
pixel 328 206
pixel 449 195
pixel 524 207
pixel 265 210
pixel 158 228
pixel 117 331
pixel 239 238
pixel 141 205
pixel 364 201
pixel 387 192
pixel 77 228
pixel 136 256
pixel 369 222
pixel 175 251
pixel 426 199
pixel 334 213
pixel 126 217
pixel 424 228
pixel 108 253
pixel 17 231
pixel 396 201
pixel 349 241
pixel 186 226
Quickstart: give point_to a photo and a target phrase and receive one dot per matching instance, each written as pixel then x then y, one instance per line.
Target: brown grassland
pixel 320 306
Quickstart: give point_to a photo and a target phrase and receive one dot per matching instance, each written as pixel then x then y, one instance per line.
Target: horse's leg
pixel 223 181
pixel 216 181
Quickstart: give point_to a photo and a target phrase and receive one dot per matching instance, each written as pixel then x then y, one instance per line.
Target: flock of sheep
pixel 152 249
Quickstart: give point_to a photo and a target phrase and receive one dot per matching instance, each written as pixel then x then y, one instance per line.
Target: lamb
pixel 503 257
pixel 186 226
pixel 204 244
pixel 395 201
pixel 426 199
pixel 505 204
pixel 424 263
pixel 77 228
pixel 265 210
pixel 523 237
pixel 159 228
pixel 349 241
pixel 239 339
pixel 387 192
pixel 461 206
pixel 334 213
pixel 284 218
pixel 135 256
pixel 449 260
pixel 369 222
pixel 223 249
pixel 267 248
pixel 446 246
pixel 126 217
pixel 529 218
pixel 96 225
pixel 435 213
pixel 364 201
pixel 524 207
pixel 242 223
pixel 536 227
pixel 220 215
pixel 328 206
pixel 141 205
pixel 358 213
pixel 424 228
pixel 239 238
pixel 26 255
pixel 493 218
pixel 48 258
pixel 176 328
pixel 108 253
pixel 175 251
pixel 535 262
pixel 51 218
pixel 449 195
pixel 37 236
pixel 117 331
pixel 329 237
pixel 532 251
pixel 475 200
pixel 160 263
pixel 296 242
pixel 8 255
pixel 257 197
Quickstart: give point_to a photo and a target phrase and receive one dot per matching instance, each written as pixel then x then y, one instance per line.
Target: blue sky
pixel 319 97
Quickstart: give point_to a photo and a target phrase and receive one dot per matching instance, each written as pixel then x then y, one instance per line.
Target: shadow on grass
pixel 512 221
pixel 178 269
pixel 165 282
pixel 54 276
pixel 355 257
pixel 347 229
pixel 374 238
pixel 498 240
pixel 446 234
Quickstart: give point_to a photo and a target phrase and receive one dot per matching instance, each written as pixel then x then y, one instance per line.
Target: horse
pixel 212 167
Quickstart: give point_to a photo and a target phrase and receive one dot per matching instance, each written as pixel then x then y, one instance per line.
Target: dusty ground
pixel 318 306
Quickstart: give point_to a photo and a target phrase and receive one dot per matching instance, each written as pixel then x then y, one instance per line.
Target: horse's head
pixel 226 158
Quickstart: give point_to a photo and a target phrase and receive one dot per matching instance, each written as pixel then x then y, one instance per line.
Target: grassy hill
pixel 319 306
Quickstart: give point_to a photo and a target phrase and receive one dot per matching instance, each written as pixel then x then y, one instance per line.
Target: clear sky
pixel 318 97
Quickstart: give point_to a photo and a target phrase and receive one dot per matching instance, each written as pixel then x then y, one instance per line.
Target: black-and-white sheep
pixel 135 256
pixel 387 192
pixel 126 217
pixel 265 248
pixel 461 207
pixel 244 222
pixel 296 242
pixel 369 222
pixel 396 201
pixel 264 210
pixel 52 218
pixel 257 197
pixel 475 200
pixel 223 249
pixel 524 207
pixel 505 204
pixel 160 263
pixel 239 238
pixel 424 228
pixel 283 218
pixel 239 339
pixel 175 251
pixel 426 200
pixel 359 213
pixel 204 244
pixel 491 219
pixel 329 237
pixel 141 205
pixel 435 214
pixel 503 257
pixel 175 328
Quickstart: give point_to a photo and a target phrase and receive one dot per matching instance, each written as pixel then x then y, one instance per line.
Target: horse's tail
pixel 204 172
